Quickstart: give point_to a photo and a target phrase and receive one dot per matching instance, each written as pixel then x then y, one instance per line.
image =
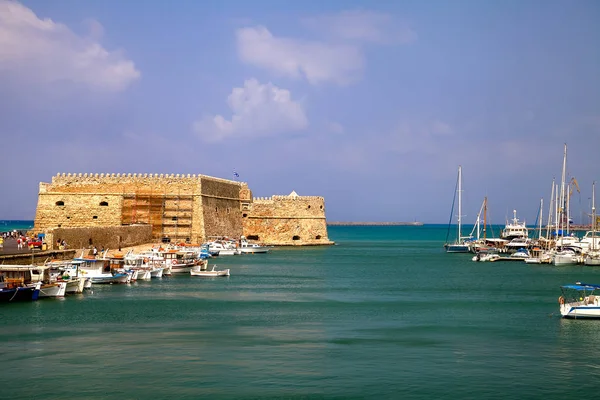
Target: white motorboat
pixel 568 256
pixel 517 244
pixel 251 248
pixel 520 254
pixel 579 301
pixel 592 258
pixel 211 273
pixel 223 248
pixel 486 256
pixel 103 270
pixel 514 229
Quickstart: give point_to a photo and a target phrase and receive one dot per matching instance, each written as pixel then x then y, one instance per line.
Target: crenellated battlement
pixel 127 178
pixel 288 198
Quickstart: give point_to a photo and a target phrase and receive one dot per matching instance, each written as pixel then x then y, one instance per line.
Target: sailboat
pixel 593 255
pixel 568 248
pixel 461 243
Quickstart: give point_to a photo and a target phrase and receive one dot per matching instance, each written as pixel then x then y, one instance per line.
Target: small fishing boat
pixel 16 284
pixel 211 273
pixel 580 300
pixel 251 248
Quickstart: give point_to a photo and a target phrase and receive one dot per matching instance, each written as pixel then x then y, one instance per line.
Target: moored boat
pixel 514 229
pixel 212 273
pixel 16 284
pixel 251 248
pixel 461 244
pixel 580 301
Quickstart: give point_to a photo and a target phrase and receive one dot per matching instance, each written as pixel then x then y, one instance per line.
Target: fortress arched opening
pixel 253 237
pixel 60 203
pixel 296 237
pixel 318 237
pixel 104 203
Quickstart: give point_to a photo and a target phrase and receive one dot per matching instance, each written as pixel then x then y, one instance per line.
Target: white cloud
pixel 258 110
pixel 314 60
pixel 365 26
pixel 43 51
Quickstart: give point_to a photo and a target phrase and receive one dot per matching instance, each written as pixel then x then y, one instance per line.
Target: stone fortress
pixel 115 210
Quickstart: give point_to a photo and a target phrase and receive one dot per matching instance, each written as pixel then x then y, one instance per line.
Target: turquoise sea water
pixel 385 313
pixel 9 225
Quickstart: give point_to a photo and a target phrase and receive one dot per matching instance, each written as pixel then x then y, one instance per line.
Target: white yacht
pixel 514 229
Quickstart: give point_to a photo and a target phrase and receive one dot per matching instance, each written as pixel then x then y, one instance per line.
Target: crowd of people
pixel 21 239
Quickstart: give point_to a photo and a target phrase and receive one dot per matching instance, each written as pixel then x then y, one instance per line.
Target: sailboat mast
pixel 484 216
pixel 594 215
pixel 557 225
pixel 541 216
pixel 550 211
pixel 459 201
pixel 562 188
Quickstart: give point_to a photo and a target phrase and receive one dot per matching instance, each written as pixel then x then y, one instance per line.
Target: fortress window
pixel 174 219
pixel 95 217
pixel 318 237
pixel 309 206
pixel 244 215
pixel 216 209
pixel 252 237
pixel 59 225
pixel 104 203
pixel 321 207
pixel 228 210
pixel 60 203
pixel 296 237
pixel 68 217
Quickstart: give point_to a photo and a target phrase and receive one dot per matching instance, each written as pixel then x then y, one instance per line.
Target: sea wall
pixel 109 237
pixel 37 257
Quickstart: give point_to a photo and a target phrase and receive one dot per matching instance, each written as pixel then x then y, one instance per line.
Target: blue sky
pixel 372 105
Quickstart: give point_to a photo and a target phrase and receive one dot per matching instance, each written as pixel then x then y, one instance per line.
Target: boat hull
pixel 565 259
pixel 57 289
pixel 592 260
pixel 580 311
pixel 75 285
pixel 254 250
pixel 156 273
pixel 28 293
pixel 107 280
pixel 457 248
pixel 210 274
pixel 181 268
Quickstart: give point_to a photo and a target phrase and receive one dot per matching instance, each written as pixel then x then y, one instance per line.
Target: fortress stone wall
pixel 287 220
pixel 191 208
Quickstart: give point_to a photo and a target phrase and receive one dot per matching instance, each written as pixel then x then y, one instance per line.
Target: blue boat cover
pixel 582 286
